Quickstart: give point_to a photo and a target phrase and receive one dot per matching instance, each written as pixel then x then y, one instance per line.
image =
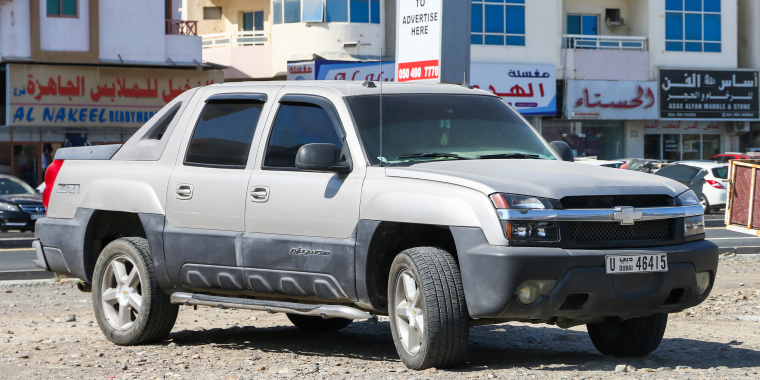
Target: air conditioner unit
pixel 613 19
pixel 739 127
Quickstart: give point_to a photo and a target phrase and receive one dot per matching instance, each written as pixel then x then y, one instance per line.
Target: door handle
pixel 259 194
pixel 184 192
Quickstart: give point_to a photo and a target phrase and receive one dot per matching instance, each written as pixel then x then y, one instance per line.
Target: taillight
pixel 50 174
pixel 714 184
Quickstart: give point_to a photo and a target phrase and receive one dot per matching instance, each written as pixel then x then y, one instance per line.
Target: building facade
pixel 88 72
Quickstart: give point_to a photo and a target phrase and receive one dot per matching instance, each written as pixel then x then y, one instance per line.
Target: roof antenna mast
pixel 382 159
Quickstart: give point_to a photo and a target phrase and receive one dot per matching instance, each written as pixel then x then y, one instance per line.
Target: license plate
pixel 37 216
pixel 617 264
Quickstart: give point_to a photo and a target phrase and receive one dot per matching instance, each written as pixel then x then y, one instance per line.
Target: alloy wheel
pixel 121 292
pixel 410 317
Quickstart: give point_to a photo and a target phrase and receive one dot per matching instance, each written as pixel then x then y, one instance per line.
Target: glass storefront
pixel 600 138
pixel 681 147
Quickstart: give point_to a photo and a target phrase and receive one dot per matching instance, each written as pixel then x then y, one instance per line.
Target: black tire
pixel 706 205
pixel 634 337
pixel 446 331
pixel 157 314
pixel 315 324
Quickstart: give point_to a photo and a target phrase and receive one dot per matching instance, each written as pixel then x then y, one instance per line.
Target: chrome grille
pixel 612 201
pixel 32 209
pixel 611 231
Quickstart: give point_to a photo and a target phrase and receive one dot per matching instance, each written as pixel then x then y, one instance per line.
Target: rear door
pixel 206 201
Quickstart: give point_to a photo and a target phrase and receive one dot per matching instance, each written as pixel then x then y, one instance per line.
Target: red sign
pixel 409 71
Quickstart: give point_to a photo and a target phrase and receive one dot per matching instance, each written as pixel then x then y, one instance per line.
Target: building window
pixel 253 21
pixel 355 11
pixel 692 25
pixel 212 13
pixel 62 8
pixel 586 25
pixel 498 22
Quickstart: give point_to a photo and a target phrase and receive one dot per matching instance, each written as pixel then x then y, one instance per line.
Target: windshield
pixel 721 172
pixel 12 186
pixel 424 127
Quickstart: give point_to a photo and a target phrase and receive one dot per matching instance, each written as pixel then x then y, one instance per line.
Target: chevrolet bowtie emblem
pixel 626 215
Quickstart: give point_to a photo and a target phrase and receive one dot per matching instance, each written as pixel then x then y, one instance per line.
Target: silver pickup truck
pixel 437 205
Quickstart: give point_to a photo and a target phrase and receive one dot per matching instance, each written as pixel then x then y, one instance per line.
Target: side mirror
pixel 564 150
pixel 322 158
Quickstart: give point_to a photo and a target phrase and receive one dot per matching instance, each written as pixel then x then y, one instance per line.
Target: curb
pixel 34 274
pixel 16 243
pixel 740 250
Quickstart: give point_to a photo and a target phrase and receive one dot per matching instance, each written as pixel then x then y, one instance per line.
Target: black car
pixel 20 205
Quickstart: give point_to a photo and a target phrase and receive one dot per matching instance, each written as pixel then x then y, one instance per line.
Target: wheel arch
pixel 378 243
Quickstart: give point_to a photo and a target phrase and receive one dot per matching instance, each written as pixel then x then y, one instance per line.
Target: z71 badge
pixel 307 252
pixel 72 188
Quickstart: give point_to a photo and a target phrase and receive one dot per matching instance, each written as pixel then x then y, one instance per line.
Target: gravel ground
pixel 47 331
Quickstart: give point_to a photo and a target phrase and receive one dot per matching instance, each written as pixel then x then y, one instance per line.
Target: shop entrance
pixel 681 147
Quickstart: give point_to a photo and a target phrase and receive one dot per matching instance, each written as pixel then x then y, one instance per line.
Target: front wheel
pixel 633 337
pixel 129 306
pixel 427 309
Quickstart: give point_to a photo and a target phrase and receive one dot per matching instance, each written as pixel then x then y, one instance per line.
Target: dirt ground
pixel 719 339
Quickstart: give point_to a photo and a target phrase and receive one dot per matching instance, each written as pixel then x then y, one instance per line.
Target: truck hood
pixel 542 178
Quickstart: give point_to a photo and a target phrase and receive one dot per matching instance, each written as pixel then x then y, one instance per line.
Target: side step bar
pixel 324 311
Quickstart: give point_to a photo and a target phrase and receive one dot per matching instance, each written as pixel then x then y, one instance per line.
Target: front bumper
pixel 491 275
pixel 17 220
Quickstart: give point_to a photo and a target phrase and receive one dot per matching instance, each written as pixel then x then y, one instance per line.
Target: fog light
pixel 528 292
pixel 532 231
pixel 703 282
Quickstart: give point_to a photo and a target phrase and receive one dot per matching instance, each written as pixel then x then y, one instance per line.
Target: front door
pixel 302 224
pixel 206 199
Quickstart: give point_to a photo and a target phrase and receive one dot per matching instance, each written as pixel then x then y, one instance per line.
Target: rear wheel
pixel 427 309
pixel 705 204
pixel 628 338
pixel 129 306
pixel 313 324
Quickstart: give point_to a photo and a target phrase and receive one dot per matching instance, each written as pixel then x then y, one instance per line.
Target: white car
pixel 716 182
pixel 603 163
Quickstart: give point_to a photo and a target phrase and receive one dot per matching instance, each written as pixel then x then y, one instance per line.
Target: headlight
pixel 520 202
pixel 8 207
pixel 689 198
pixel 693 225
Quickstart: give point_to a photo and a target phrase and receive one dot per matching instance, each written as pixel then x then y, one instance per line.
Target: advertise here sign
pixel 530 89
pixel 611 100
pixel 75 96
pixel 418 41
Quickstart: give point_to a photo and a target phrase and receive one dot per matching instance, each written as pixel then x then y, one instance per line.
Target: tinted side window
pixel 297 125
pixel 223 134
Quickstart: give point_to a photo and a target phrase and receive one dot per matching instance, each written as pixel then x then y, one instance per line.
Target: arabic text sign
pixel 709 94
pixel 418 43
pixel 612 100
pixel 682 127
pixel 75 96
pixel 361 71
pixel 301 71
pixel 531 89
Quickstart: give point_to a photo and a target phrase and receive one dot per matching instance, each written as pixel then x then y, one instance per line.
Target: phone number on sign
pixel 417 71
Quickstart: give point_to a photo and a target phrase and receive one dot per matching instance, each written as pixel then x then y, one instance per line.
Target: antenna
pixel 380 78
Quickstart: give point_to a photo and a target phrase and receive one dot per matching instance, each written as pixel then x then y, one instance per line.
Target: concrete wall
pixel 727 58
pixel 183 48
pixel 544 26
pixel 634 146
pixel 749 34
pixel 66 33
pixel 245 61
pixel 231 14
pixel 134 29
pixel 607 64
pixel 14 29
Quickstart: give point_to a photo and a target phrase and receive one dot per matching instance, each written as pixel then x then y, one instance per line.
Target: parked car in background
pixel 715 189
pixel 725 157
pixel 603 163
pixel 20 205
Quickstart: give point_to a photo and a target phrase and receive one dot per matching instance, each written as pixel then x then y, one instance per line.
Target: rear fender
pixel 121 195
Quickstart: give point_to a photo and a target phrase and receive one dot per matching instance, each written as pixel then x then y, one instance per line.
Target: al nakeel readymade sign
pixel 76 96
pixel 709 94
pixel 530 89
pixel 612 100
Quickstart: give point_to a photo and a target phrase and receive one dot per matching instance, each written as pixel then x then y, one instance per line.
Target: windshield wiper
pixel 434 155
pixel 510 155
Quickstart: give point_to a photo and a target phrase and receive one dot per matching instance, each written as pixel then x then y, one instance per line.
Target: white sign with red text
pixel 301 71
pixel 611 100
pixel 418 41
pixel 530 89
pixel 682 126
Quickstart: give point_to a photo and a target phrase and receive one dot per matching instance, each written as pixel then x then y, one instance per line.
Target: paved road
pixel 20 259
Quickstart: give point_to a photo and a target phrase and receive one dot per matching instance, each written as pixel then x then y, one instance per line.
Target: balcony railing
pixel 182 28
pixel 578 41
pixel 246 38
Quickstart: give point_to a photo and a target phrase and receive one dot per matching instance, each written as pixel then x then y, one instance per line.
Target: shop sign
pixel 301 71
pixel 341 70
pixel 682 127
pixel 709 94
pixel 611 100
pixel 530 89
pixel 76 96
